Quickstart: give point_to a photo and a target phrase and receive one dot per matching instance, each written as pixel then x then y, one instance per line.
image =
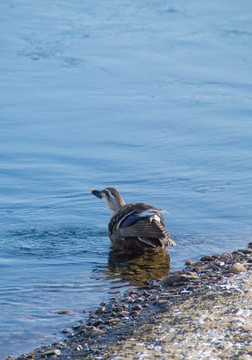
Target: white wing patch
pixel 155 217
pixel 149 212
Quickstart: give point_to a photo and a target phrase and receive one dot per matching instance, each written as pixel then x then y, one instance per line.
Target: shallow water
pixel 153 98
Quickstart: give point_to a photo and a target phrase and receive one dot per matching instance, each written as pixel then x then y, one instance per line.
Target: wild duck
pixel 134 227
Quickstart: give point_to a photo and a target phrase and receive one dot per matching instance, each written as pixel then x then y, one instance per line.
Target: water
pixel 152 97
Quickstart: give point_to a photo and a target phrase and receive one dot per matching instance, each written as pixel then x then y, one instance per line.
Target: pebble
pixel 134 313
pixel 237 268
pixel 112 321
pixel 200 268
pixel 176 279
pixel 207 258
pixel 101 310
pixel 63 312
pixel 161 302
pixel 141 298
pixel 98 323
pixel 116 313
pixel 219 263
pixel 246 251
pixel 190 262
pixel 226 257
pixel 124 312
pixel 51 353
pixel 76 327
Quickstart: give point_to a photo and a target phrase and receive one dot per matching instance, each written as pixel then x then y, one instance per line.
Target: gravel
pixel 201 312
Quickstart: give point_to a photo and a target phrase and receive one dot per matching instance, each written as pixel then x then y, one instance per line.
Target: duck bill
pixel 96 193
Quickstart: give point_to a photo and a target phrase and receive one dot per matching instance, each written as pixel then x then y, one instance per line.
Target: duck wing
pixel 141 221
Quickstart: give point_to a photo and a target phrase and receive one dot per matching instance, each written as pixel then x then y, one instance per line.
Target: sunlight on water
pixel 153 98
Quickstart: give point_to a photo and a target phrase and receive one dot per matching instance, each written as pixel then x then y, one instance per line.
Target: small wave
pixel 52 242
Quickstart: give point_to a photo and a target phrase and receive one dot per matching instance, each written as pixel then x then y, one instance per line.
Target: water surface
pixel 151 97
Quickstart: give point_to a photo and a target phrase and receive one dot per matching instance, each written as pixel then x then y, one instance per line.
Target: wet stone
pixel 98 322
pixel 226 257
pixel 245 251
pixel 54 352
pixel 237 253
pixel 101 310
pixel 123 313
pixel 237 268
pixel 207 258
pixel 63 312
pixel 141 299
pixel 112 321
pixel 76 327
pixel 219 263
pixel 176 279
pixel 134 313
pixel 189 262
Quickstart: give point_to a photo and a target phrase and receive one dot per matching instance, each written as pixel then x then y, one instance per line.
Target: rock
pixel 189 262
pixel 98 322
pixel 101 310
pixel 207 258
pixel 134 313
pixel 112 321
pixel 226 257
pixel 63 312
pixel 54 352
pixel 137 307
pixel 76 327
pixel 132 291
pixel 245 251
pixel 140 299
pixel 161 302
pixel 201 268
pixel 219 263
pixel 179 279
pixel 123 313
pixel 237 268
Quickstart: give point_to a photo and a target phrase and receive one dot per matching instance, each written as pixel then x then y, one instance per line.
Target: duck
pixel 134 227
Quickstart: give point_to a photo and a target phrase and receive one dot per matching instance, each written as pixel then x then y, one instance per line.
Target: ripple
pixel 52 242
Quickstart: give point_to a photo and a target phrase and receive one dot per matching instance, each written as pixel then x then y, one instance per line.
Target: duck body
pixel 134 227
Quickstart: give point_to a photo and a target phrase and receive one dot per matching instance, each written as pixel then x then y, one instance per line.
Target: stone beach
pixel 201 312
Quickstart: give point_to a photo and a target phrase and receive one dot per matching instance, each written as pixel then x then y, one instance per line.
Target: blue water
pixel 151 97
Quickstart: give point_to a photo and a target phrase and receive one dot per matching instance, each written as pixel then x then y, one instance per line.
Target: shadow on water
pixel 136 270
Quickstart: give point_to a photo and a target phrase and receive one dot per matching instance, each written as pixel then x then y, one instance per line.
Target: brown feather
pixel 134 227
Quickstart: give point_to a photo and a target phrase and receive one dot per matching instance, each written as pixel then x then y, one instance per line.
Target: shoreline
pixel 201 312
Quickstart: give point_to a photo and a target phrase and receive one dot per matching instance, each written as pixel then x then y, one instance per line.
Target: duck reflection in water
pixel 136 270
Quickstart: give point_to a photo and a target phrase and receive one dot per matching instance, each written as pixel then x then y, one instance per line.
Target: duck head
pixel 111 197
